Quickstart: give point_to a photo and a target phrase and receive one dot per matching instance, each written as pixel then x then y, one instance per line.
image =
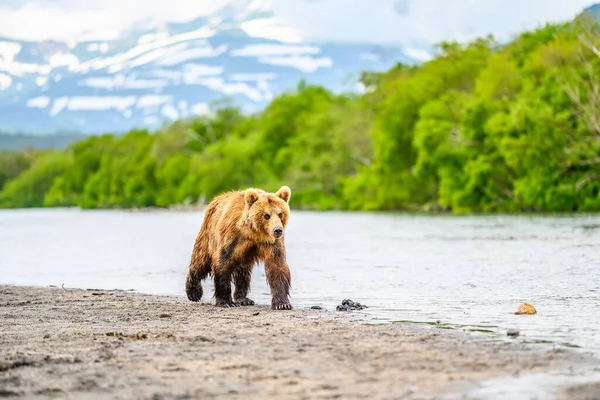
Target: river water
pixel 463 272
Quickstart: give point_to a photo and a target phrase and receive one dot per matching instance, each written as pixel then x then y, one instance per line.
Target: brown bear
pixel 240 229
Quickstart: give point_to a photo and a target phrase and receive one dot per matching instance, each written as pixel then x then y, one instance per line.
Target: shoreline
pixel 65 343
pixel 200 207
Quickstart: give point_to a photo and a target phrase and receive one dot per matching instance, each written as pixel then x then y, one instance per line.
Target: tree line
pixel 482 127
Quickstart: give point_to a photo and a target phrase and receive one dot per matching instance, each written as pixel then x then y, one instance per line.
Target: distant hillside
pixel 41 142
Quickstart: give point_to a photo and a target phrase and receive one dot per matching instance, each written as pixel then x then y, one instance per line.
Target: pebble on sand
pixel 526 309
pixel 513 332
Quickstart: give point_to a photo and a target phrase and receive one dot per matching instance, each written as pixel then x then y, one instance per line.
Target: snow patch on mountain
pixel 5 81
pixel 261 50
pixel 8 51
pixel 186 54
pixel 39 102
pixel 153 101
pixel 270 28
pixel 100 47
pixel 304 64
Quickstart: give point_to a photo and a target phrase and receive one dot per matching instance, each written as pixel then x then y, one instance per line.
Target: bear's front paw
pixel 244 302
pixel 225 303
pixel 194 294
pixel 193 288
pixel 282 306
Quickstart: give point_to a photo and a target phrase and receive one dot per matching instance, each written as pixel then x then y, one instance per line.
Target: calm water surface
pixel 466 272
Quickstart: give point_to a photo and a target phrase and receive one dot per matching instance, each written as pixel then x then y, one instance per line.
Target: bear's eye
pixel 280 215
pixel 267 216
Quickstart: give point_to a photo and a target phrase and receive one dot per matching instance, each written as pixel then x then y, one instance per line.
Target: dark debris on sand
pixel 349 305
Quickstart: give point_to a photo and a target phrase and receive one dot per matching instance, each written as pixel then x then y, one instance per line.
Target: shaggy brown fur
pixel 240 229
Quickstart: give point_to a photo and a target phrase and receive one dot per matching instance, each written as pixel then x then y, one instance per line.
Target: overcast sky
pixel 418 22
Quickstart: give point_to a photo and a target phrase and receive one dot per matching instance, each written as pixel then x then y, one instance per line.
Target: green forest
pixel 482 127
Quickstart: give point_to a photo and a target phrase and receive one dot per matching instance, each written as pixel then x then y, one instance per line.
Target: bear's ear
pixel 285 193
pixel 250 196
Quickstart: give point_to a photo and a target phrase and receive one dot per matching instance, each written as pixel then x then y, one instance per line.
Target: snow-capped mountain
pixel 111 82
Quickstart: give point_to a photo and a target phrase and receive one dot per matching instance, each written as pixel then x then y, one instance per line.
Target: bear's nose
pixel 278 232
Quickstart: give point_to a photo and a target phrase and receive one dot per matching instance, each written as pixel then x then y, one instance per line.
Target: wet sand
pixel 72 343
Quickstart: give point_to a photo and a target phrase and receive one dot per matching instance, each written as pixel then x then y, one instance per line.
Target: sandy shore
pixel 70 343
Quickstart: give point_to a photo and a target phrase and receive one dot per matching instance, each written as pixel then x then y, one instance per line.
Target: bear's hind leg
pixel 200 266
pixel 223 288
pixel 241 278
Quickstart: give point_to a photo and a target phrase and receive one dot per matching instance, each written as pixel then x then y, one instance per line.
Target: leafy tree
pixel 30 187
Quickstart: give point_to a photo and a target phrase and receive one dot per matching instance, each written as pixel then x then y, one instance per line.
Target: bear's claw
pixel 282 306
pixel 225 303
pixel 194 295
pixel 244 302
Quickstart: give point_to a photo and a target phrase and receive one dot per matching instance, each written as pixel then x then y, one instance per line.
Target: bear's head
pixel 267 213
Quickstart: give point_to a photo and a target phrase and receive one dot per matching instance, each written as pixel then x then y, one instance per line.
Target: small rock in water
pixel 348 305
pixel 316 308
pixel 526 309
pixel 513 332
